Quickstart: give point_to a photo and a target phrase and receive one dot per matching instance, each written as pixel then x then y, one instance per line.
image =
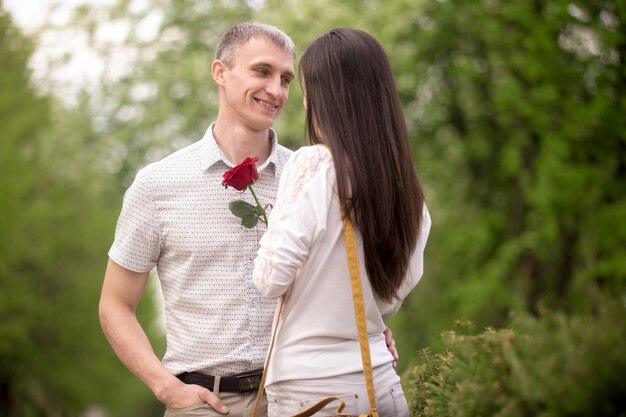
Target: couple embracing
pixel 221 281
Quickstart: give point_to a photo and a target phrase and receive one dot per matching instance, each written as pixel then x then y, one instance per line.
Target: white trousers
pixel 291 397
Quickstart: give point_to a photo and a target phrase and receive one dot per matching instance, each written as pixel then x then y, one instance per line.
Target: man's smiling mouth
pixel 268 105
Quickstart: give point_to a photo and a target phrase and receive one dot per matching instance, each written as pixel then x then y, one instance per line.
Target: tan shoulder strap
pixel 359 312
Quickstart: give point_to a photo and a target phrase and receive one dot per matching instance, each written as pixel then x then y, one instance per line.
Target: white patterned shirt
pixel 175 216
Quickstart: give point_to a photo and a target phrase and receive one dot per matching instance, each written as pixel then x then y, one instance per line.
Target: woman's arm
pixel 298 217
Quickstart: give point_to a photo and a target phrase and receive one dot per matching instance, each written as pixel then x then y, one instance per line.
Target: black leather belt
pixel 247 381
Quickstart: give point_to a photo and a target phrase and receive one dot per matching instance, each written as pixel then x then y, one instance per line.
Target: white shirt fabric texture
pixel 303 257
pixel 175 217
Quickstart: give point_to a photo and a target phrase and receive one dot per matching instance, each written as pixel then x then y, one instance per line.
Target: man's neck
pixel 237 142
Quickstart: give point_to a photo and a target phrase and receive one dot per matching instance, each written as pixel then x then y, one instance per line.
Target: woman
pixel 360 161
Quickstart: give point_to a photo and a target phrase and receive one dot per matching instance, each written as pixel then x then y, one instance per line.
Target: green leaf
pixel 242 209
pixel 249 221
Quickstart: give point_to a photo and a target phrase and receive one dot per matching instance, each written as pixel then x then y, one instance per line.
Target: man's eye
pixel 262 71
pixel 286 81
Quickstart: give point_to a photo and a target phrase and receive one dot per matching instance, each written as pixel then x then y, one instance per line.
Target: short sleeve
pixel 137 239
pixel 296 221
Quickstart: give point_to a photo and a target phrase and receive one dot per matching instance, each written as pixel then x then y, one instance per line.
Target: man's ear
pixel 218 68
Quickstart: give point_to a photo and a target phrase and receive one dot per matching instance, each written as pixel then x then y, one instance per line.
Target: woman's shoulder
pixel 314 154
pixel 307 163
pixel 310 160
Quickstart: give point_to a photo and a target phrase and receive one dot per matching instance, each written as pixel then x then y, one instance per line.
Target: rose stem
pixel 258 204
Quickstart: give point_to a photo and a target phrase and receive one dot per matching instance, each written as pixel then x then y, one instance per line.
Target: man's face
pixel 257 86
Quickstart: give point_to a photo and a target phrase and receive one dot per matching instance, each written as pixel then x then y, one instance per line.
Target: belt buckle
pixel 249 383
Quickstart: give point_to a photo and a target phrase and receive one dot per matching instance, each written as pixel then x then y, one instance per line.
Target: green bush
pixel 546 366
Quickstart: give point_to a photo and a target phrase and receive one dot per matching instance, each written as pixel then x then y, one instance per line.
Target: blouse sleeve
pixel 296 221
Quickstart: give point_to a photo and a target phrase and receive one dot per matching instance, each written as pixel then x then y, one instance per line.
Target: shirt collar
pixel 212 153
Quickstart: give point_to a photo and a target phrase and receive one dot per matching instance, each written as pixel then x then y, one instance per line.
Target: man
pixel 175 216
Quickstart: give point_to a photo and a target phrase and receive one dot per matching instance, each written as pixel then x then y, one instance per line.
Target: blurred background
pixel 517 116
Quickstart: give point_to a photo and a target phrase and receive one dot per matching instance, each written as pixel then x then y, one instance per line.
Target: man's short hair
pixel 243 32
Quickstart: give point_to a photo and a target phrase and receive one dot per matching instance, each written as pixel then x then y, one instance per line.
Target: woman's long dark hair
pixel 354 108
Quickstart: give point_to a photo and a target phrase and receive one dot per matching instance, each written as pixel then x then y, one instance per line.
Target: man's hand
pixel 391 345
pixel 181 395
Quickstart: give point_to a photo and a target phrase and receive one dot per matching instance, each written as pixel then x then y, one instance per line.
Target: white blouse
pixel 302 255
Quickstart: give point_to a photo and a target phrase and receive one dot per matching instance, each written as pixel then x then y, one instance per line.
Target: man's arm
pixel 121 292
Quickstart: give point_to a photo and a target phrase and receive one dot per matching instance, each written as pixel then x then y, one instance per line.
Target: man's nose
pixel 274 87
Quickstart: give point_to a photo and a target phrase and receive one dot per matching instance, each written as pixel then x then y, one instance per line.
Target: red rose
pixel 242 175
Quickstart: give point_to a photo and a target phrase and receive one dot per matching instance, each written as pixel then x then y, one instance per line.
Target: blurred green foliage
pixel 516 114
pixel 518 111
pixel 57 220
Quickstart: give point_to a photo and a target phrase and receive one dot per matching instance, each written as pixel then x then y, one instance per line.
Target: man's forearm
pixel 132 347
